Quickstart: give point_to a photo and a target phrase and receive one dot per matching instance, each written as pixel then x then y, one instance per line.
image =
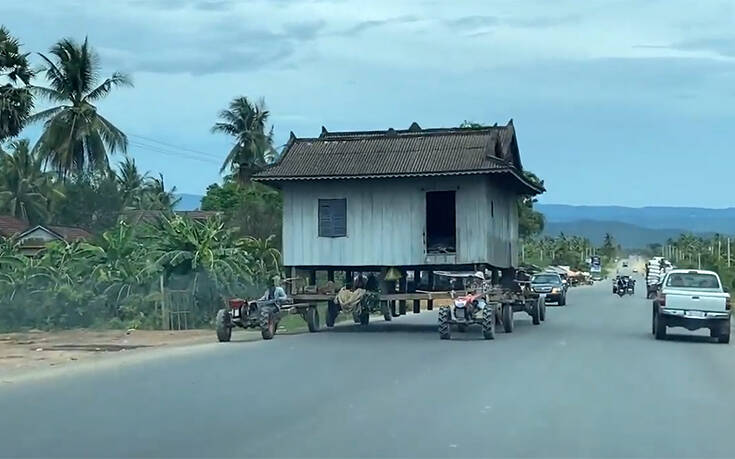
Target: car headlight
pixel 555 290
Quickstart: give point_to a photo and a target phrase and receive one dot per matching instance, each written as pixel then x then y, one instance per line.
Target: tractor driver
pixel 275 292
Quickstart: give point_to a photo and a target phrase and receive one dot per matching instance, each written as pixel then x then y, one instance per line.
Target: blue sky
pixel 615 102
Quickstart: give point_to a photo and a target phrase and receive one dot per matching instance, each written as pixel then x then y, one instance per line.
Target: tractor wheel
pixel 445 315
pixel 267 324
pixel 332 313
pixel 543 310
pixel 312 319
pixel 536 311
pixel 488 322
pixel 224 329
pixel 507 318
pixel 659 326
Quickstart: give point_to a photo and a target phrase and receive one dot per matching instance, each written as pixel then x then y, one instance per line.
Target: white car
pixel 693 299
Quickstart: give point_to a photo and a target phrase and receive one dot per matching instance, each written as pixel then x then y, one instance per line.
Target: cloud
pixel 476 22
pixel 724 46
pixel 371 24
pixel 473 21
pixel 213 5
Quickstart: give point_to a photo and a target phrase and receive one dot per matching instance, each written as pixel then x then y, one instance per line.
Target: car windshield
pixel 546 279
pixel 693 280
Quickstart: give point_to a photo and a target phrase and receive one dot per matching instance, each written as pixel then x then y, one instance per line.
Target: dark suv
pixel 551 285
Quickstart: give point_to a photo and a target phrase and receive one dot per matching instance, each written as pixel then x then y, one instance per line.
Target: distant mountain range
pixel 635 227
pixel 189 201
pixel 695 219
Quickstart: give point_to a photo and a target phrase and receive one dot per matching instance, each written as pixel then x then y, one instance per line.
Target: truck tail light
pixel 662 299
pixel 235 303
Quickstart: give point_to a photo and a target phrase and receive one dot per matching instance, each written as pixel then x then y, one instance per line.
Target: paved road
pixel 590 381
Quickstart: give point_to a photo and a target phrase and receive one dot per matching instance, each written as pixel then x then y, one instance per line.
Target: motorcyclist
pixel 622 284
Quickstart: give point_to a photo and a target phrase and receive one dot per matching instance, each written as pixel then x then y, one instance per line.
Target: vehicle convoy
pixel 550 284
pixel 692 299
pixel 486 305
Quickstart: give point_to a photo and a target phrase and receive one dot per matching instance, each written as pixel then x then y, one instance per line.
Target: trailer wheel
pixel 536 311
pixel 444 317
pixel 507 311
pixel 222 324
pixel 488 322
pixel 312 319
pixel 332 313
pixel 267 324
pixel 364 317
pixel 385 309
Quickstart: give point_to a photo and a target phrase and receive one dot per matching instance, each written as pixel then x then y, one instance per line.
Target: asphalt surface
pixel 590 381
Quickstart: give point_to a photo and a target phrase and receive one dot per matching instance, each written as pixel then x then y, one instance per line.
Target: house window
pixel 332 217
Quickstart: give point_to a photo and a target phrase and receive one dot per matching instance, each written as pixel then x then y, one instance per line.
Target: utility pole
pixel 523 252
pixel 728 252
pixel 699 260
pixel 719 248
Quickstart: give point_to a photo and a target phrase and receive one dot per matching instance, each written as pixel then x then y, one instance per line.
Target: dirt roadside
pixel 32 351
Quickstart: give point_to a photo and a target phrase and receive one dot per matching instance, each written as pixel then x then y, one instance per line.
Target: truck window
pixel 693 280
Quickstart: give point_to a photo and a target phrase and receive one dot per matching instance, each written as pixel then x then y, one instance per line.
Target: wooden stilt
pixel 402 307
pixel 429 304
pixel 416 306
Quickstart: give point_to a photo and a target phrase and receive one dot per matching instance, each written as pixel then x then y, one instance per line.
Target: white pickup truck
pixel 693 299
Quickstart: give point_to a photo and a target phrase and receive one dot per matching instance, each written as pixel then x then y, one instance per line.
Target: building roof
pixel 10 225
pixel 66 233
pixel 70 233
pixel 413 152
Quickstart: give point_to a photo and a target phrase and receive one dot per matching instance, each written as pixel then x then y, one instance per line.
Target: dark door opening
pixel 441 222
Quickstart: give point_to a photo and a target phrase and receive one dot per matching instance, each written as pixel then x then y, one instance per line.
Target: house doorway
pixel 441 222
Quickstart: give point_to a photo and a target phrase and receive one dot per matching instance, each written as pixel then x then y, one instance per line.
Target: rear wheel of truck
pixel 536 311
pixel 659 324
pixel 507 313
pixel 312 319
pixel 724 336
pixel 445 315
pixel 488 322
pixel 223 326
pixel 267 324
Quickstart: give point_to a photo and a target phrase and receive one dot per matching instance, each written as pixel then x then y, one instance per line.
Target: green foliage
pixel 76 136
pixel 16 101
pixel 26 189
pixel 116 279
pixel 562 250
pixel 255 209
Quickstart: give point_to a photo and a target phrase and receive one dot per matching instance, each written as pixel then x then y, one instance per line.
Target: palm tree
pixel 24 187
pixel 131 182
pixel 76 136
pixel 16 102
pixel 245 121
pixel 155 196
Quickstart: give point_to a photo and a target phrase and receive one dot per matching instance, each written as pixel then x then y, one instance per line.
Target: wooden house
pixel 415 199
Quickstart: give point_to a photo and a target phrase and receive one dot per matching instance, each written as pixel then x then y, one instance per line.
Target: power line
pixel 175 154
pixel 170 145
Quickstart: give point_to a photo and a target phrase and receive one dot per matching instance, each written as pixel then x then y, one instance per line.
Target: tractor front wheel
pixel 488 322
pixel 267 324
pixel 445 315
pixel 223 326
pixel 507 313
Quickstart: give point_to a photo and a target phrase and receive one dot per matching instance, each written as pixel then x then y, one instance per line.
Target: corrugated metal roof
pixel 399 153
pixel 10 225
